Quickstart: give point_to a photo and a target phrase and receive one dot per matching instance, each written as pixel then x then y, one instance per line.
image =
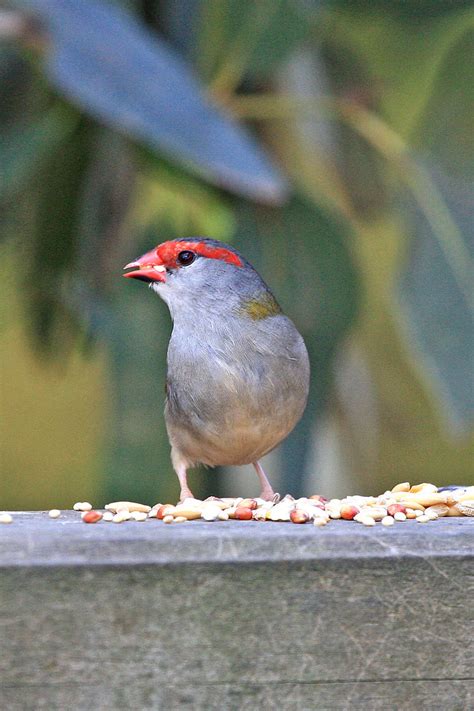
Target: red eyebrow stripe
pixel 168 251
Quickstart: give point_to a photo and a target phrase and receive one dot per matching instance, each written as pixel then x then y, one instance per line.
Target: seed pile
pixel 421 502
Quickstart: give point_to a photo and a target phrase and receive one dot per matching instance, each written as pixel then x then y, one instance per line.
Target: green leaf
pixel 436 299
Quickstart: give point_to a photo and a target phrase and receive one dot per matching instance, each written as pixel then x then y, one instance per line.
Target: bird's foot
pixel 185 493
pixel 267 494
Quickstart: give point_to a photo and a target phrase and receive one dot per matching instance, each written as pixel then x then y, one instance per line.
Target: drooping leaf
pixel 104 61
pixel 437 299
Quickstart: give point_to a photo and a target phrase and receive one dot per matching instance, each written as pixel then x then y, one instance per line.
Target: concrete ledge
pixel 236 615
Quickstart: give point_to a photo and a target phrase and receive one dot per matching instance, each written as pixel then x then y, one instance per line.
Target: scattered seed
pixel 298 516
pixel 169 518
pixel 320 521
pixel 180 519
pixel 423 518
pixel 404 486
pixel 348 511
pixel 91 516
pixel 116 506
pixel 5 517
pixel 54 513
pixel 396 508
pixel 400 516
pixel 243 514
pixel 82 506
pixel 138 515
pixel 108 516
pixel 388 521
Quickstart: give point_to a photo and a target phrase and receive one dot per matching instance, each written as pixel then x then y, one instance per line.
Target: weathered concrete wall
pixel 236 615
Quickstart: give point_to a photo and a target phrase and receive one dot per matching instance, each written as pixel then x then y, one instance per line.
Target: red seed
pixel 91 516
pixel 248 504
pixel 298 516
pixel 243 513
pixel 164 510
pixel 348 511
pixel 396 508
pixel 318 497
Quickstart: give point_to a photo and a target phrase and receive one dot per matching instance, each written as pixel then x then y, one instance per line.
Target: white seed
pixel 400 516
pixel 54 513
pixel 168 519
pixel 366 520
pixel 122 515
pixel 117 506
pixel 210 512
pixel 423 518
pixel 180 519
pixel 223 516
pixel 82 506
pixel 138 516
pixel 432 515
pixel 440 509
pixel 108 516
pixel 388 521
pixel 320 521
pixel 5 517
pixel 465 507
pixel 419 513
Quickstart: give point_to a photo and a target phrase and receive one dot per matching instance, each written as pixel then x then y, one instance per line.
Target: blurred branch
pixel 419 181
pixel 394 149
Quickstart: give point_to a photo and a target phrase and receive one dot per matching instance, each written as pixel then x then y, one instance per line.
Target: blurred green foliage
pixel 331 142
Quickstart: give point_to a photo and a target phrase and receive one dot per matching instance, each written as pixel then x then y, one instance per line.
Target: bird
pixel 237 368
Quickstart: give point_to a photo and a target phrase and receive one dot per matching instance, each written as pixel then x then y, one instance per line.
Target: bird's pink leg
pixel 267 491
pixel 185 492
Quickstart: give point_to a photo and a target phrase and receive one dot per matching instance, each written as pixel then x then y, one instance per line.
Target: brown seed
pixel 298 516
pixel 348 511
pixel 396 508
pixel 243 513
pixel 453 511
pixel 91 516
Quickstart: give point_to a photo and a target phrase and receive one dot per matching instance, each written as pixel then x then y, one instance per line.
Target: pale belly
pixel 229 443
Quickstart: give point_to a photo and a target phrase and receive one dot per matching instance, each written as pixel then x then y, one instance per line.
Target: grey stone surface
pixel 236 615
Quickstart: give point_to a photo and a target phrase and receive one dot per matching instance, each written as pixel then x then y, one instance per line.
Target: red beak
pixel 147 268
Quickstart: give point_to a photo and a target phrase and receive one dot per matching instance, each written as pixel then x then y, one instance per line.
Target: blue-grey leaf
pixel 103 60
pixel 435 291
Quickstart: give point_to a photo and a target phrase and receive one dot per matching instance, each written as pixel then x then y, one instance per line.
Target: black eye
pixel 186 257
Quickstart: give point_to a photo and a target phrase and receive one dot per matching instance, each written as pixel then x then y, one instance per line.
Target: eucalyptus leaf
pixel 436 298
pixel 119 72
